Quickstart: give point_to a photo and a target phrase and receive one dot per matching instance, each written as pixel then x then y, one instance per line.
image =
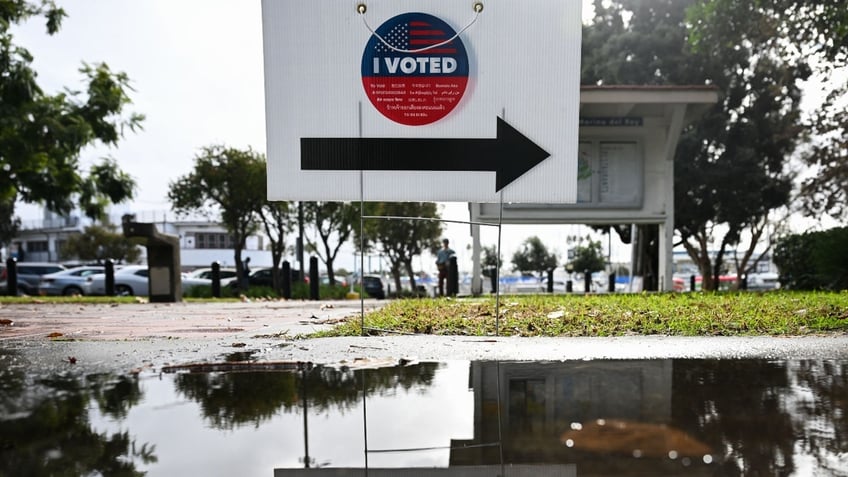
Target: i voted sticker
pixel 415 69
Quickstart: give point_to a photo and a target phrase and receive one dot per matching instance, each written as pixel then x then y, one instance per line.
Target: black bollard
pixel 587 281
pixel 611 283
pixel 692 283
pixel 313 278
pixel 453 277
pixel 12 276
pixel 109 271
pixel 494 278
pixel 744 285
pixel 551 280
pixel 216 279
pixel 286 280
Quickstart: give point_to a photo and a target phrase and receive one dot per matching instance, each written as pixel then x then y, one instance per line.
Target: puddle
pixel 571 418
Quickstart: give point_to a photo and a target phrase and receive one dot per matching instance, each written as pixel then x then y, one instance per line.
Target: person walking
pixel 245 270
pixel 442 262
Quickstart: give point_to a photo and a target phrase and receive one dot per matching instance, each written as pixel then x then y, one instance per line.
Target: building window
pixel 36 246
pixel 213 240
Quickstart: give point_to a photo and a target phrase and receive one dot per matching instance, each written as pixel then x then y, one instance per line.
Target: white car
pixel 764 281
pixel 67 282
pixel 133 280
pixel 227 274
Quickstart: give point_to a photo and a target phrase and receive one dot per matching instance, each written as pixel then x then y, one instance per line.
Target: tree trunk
pixel 646 264
pixel 331 274
pixel 396 275
pixel 701 257
pixel 276 258
pixel 408 265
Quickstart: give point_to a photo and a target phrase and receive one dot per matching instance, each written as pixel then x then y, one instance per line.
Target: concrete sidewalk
pixel 188 320
pixel 121 338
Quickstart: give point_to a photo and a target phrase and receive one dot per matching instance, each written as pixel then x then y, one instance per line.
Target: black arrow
pixel 509 155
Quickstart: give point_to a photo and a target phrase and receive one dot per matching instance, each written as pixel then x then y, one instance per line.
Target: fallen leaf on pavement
pixel 55 334
pixel 6 322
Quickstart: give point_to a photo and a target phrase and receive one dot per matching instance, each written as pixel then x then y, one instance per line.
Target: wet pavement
pixel 235 389
pixel 127 337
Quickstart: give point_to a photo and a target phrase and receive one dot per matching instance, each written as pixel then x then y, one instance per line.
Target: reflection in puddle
pixel 655 417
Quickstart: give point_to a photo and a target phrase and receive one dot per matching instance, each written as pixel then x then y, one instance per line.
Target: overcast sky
pixel 195 65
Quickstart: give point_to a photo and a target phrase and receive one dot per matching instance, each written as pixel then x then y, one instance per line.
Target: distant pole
pixel 550 280
pixel 12 276
pixel 216 279
pixel 313 278
pixel 300 240
pixel 286 280
pixel 453 277
pixel 110 277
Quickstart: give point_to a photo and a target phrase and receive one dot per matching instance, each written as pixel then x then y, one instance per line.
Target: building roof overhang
pixel 647 101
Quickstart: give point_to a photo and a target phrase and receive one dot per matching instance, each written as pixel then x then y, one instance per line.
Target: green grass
pixel 687 314
pixel 676 314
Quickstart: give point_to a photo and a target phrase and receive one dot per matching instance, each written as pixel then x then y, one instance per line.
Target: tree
pixel 402 238
pixel 534 257
pixel 589 257
pixel 491 260
pixel 227 183
pixel 42 135
pixel 334 224
pixel 277 220
pixel 814 34
pixel 9 224
pixel 97 243
pixel 730 166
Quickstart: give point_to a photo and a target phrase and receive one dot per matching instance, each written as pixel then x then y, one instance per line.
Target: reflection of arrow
pixel 509 155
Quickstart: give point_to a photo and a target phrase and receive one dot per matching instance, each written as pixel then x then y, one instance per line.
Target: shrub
pixel 814 260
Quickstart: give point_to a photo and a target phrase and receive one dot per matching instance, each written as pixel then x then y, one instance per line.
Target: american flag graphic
pixel 414 69
pixel 417 36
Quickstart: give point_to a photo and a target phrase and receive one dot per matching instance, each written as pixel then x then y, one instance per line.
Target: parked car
pixel 29 275
pixel 227 274
pixel 67 282
pixel 763 281
pixel 372 285
pixel 325 280
pixel 260 277
pixel 133 280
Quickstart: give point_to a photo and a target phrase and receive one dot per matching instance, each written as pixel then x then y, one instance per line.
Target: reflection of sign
pixel 610 122
pixel 413 70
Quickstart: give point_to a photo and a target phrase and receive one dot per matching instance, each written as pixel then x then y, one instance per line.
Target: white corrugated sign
pixel 425 100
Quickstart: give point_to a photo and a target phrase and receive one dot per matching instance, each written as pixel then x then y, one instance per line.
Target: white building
pixel 201 241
